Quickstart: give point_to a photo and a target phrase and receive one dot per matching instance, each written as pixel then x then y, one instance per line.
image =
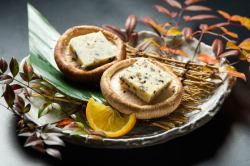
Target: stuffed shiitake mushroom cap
pixel 127 102
pixel 68 62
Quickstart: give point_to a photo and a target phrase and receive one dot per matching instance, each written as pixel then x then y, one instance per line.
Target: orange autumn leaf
pixel 237 74
pixel 64 122
pixel 245 55
pixel 232 34
pixel 165 24
pixel 245 44
pixel 245 22
pixel 169 50
pixel 208 59
pixel 232 72
pixel 179 52
pixel 174 51
pixel 152 23
pixel 224 14
pixel 232 45
pixel 236 18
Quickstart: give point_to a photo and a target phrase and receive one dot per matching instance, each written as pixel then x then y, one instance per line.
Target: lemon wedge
pixel 104 118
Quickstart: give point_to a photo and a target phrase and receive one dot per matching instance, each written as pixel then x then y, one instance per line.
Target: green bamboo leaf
pixel 42 40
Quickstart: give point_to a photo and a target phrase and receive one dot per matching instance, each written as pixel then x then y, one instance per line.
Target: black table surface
pixel 225 140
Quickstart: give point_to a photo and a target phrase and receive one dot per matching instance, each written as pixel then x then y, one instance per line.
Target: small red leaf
pixel 17 88
pixel 163 10
pixel 218 47
pixel 230 53
pixel 14 66
pixel 28 71
pixel 133 37
pixel 208 59
pixel 174 3
pixel 190 2
pixel 64 122
pixel 197 8
pixel 130 24
pixel 9 95
pixel 5 79
pixel 19 103
pixel 23 76
pixel 3 65
pixel 115 30
pixel 199 17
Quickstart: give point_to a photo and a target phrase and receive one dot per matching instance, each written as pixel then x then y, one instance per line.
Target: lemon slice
pixel 104 118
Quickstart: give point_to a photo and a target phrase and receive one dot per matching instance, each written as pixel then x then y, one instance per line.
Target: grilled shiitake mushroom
pixel 127 102
pixel 67 60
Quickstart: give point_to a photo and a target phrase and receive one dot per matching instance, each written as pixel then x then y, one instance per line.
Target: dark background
pixel 225 140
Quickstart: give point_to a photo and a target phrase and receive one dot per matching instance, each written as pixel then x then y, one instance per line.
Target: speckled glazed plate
pixel 143 134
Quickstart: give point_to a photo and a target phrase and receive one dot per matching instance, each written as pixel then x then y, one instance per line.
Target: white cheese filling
pixel 145 79
pixel 93 49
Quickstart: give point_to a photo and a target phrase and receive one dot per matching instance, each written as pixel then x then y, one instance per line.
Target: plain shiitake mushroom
pixel 68 63
pixel 127 102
